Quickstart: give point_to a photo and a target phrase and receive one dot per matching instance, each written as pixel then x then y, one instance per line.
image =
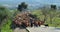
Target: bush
pixel 6 26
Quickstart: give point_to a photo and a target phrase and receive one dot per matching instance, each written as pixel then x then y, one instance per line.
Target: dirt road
pixel 38 29
pixel 43 29
pixel 20 30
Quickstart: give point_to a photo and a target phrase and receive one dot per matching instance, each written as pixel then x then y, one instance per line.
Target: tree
pixel 53 7
pixel 45 10
pixel 22 6
pixel 3 14
pixel 52 12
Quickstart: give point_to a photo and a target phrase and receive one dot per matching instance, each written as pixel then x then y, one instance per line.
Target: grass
pixel 6 27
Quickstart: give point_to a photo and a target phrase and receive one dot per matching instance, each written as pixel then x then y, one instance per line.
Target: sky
pixel 10 3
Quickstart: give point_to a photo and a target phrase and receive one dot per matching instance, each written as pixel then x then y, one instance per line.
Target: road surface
pixel 38 29
pixel 43 29
pixel 20 30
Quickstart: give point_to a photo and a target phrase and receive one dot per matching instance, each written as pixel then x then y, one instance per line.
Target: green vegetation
pixel 6 17
pixel 6 27
pixel 55 19
pixel 50 16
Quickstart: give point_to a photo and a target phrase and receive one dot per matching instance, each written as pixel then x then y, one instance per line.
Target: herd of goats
pixel 26 19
